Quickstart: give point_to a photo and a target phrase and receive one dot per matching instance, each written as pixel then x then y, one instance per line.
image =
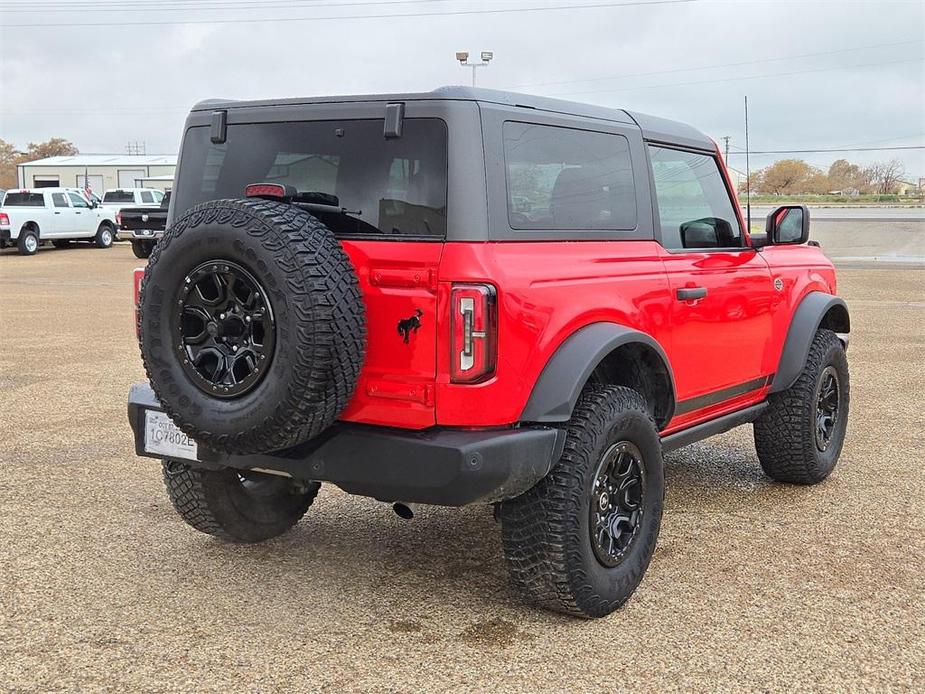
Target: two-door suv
pixel 469 296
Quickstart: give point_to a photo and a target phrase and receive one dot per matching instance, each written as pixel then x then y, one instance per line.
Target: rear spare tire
pixel 253 329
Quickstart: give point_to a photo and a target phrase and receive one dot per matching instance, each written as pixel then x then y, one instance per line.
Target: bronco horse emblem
pixel 408 325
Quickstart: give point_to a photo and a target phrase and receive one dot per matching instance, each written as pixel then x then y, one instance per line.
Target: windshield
pixel 24 200
pixel 391 187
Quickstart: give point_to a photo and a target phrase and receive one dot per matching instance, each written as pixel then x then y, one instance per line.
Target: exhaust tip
pixel 403 511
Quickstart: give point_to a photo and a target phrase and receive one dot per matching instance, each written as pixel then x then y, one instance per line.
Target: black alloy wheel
pixel 616 502
pixel 827 401
pixel 225 329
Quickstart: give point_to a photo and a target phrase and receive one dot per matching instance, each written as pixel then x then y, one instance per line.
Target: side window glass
pixel 158 196
pixel 694 207
pixel 77 201
pixel 59 200
pixel 561 178
pixel 147 196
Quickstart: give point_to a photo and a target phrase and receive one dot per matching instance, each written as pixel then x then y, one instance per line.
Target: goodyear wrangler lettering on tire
pixel 253 328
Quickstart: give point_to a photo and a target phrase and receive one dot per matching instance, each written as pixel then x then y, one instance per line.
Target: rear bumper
pixel 447 467
pixel 141 234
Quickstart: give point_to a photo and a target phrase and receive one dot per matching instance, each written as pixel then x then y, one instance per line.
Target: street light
pixel 463 58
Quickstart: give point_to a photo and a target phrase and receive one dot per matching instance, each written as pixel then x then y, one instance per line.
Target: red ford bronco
pixel 469 296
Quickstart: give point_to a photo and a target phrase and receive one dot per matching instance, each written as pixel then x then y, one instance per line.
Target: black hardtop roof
pixel 653 127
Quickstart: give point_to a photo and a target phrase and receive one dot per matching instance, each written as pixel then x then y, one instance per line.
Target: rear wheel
pixel 237 505
pixel 580 541
pixel 28 242
pixel 104 236
pixel 800 435
pixel 142 249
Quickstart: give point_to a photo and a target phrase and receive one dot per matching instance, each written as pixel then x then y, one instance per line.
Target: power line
pixel 450 13
pixel 834 149
pixel 721 65
pixel 228 5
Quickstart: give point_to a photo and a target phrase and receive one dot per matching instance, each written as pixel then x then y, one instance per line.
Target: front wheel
pixel 799 436
pixel 237 505
pixel 580 541
pixel 104 236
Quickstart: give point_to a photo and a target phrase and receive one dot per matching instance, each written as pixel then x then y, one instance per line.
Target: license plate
pixel 162 437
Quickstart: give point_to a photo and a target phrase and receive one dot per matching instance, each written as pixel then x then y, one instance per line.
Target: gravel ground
pixel 753 586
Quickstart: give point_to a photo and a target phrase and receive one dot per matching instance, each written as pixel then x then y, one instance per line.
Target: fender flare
pixel 560 383
pixel 806 321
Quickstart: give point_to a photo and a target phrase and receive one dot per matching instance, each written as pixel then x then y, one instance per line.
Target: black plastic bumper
pixel 443 466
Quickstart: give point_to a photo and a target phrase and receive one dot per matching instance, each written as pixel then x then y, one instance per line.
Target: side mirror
pixel 788 225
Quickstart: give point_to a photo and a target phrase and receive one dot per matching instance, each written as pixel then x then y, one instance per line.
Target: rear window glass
pixel 147 196
pixel 24 200
pixel 560 178
pixel 119 196
pixel 345 172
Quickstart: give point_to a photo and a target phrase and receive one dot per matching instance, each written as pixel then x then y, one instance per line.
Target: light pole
pixel 463 58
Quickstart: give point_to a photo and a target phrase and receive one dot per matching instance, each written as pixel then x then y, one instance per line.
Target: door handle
pixel 691 293
pixel 57 213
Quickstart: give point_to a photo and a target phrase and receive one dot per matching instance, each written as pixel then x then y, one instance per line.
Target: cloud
pixel 104 86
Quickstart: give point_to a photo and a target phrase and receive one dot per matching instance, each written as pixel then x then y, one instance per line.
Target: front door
pixel 721 289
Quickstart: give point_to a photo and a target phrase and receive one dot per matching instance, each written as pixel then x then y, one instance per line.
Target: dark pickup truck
pixel 143 226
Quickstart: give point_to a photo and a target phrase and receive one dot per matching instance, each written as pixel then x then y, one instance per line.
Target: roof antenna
pixel 748 176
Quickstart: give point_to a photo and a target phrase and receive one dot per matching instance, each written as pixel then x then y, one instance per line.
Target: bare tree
pixel 884 176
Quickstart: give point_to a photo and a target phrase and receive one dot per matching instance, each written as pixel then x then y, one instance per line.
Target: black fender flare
pixel 560 383
pixel 809 315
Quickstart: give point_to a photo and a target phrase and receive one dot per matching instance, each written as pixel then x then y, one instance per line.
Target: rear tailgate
pixel 398 280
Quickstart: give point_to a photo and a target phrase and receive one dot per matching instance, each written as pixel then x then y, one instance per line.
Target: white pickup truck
pixel 29 216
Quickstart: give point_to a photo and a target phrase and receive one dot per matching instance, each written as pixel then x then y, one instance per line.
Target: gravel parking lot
pixel 754 585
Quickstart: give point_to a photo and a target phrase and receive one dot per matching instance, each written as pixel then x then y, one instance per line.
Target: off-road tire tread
pixel 785 445
pixel 322 290
pixel 188 494
pixel 538 531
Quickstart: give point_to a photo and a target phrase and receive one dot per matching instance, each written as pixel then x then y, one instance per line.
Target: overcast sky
pixel 817 74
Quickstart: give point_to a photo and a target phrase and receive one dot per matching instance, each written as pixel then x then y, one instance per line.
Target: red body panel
pixel 546 291
pixel 396 385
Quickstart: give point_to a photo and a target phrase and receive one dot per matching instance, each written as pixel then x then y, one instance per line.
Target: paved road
pixel 851 213
pixel 753 586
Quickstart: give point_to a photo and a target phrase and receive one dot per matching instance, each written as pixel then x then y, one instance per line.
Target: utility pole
pixel 463 58
pixel 748 175
pixel 725 139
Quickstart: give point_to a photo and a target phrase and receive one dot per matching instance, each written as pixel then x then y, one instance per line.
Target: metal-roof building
pixel 102 171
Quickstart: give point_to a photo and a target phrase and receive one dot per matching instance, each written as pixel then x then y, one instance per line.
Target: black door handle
pixel 691 293
pixel 57 213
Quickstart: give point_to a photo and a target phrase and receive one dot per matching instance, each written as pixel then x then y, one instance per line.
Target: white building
pixel 102 171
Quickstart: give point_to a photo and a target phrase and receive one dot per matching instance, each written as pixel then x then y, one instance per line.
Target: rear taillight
pixel 139 277
pixel 474 332
pixel 4 219
pixel 119 218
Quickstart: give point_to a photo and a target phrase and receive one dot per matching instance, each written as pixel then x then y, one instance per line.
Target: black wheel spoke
pixel 616 502
pixel 226 328
pixel 827 402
